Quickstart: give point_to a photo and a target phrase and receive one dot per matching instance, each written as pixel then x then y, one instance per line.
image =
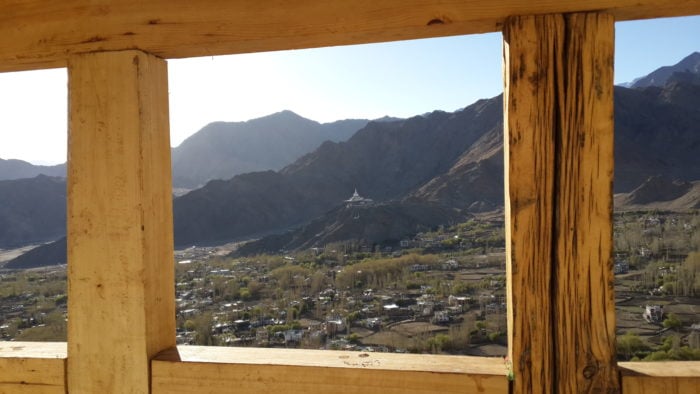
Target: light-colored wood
pixel 662 377
pixel 250 370
pixel 120 234
pixel 681 369
pixel 659 385
pixel 559 154
pixel 43 33
pixel 120 225
pixel 584 299
pixel 32 367
pixel 530 48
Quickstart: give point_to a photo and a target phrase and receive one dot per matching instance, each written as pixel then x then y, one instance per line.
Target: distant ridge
pixel 53 253
pixel 17 169
pixel 222 150
pixel 33 210
pixel 373 224
pixel 659 77
pixel 661 193
pixel 420 172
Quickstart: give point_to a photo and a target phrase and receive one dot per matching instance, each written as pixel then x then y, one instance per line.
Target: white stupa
pixel 356 200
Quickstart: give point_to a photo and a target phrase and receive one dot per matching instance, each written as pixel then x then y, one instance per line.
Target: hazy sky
pixel 364 81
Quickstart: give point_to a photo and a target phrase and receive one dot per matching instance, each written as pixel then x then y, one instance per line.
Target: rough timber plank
pixel 660 385
pixel 120 245
pixel 194 369
pixel 32 367
pixel 665 377
pixel 530 47
pixel 559 151
pixel 44 33
pixel 584 286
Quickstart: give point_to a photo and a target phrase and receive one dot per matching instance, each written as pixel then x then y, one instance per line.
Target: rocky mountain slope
pixel 52 253
pixel 222 150
pixel 436 167
pixel 385 223
pixel 659 77
pixel 386 161
pixel 32 210
pixel 656 133
pixel 661 193
pixel 18 169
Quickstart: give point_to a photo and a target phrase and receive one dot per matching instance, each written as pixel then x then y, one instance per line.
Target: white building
pixel 357 200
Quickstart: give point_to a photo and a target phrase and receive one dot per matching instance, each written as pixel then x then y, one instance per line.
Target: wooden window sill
pixel 33 367
pixel 190 369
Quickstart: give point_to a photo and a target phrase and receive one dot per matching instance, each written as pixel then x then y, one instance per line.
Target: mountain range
pixel 690 65
pixel 33 210
pixel 222 150
pixel 436 168
pixel 19 169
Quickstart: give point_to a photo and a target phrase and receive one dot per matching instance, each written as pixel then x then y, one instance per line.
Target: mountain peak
pixel 285 114
pixel 689 64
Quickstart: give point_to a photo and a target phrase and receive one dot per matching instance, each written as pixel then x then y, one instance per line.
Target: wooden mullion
pixel 530 47
pixel 120 235
pixel 584 284
pixel 558 152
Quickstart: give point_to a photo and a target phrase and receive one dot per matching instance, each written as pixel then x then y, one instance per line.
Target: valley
pixel 441 292
pixel 287 255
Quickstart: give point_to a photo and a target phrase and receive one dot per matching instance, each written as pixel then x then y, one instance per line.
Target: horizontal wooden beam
pixel 191 369
pixel 667 377
pixel 39 367
pixel 44 33
pixel 33 367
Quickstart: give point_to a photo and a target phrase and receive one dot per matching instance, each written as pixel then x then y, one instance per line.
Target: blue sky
pixel 364 81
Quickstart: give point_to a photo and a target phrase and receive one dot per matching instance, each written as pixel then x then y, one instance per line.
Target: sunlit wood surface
pixel 44 33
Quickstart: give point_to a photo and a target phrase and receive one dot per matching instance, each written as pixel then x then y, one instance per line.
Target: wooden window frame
pixel 558 74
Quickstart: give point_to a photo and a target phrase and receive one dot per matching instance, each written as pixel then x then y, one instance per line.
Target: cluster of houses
pixel 324 319
pixel 19 312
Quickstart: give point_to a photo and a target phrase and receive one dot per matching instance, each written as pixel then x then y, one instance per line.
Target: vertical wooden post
pixel 559 157
pixel 120 233
pixel 584 313
pixel 531 45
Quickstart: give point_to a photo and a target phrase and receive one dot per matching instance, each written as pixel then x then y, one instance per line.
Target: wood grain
pixel 32 367
pixel 531 45
pixel 661 377
pixel 584 308
pixel 559 154
pixel 681 369
pixel 45 33
pixel 215 370
pixel 660 385
pixel 120 245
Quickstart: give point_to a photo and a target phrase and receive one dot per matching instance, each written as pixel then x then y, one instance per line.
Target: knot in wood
pixel 590 371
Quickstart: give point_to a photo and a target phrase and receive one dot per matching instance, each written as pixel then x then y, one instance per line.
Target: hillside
pixel 661 193
pixel 386 223
pixel 659 77
pixel 53 253
pixel 385 160
pixel 436 167
pixel 32 210
pixel 222 150
pixel 657 132
pixel 18 169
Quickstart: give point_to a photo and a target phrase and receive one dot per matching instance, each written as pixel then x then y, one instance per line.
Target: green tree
pixel 673 322
pixel 629 344
pixel 202 326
